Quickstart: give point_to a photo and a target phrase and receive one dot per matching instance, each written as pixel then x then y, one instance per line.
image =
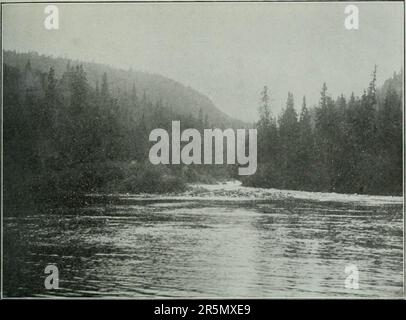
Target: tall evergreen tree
pixel 305 150
pixel 289 139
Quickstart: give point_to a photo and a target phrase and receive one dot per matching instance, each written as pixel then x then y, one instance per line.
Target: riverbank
pixel 235 191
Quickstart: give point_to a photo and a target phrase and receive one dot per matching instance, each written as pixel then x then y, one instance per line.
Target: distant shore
pixel 235 191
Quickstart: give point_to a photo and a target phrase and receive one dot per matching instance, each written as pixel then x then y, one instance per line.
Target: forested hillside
pixel 169 93
pixel 64 137
pixel 345 144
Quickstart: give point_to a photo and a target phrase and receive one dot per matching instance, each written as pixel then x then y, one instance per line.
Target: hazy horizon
pixel 225 51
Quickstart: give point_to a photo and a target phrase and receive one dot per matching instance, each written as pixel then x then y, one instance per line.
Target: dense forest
pixel 64 138
pixel 346 145
pixel 66 135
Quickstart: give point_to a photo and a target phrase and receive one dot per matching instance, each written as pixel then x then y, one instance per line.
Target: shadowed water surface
pixel 203 248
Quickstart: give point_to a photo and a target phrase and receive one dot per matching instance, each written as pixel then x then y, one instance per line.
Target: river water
pixel 215 245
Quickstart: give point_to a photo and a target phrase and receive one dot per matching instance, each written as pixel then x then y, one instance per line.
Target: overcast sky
pixel 226 51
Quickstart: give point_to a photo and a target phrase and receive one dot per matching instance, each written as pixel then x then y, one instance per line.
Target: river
pixel 222 241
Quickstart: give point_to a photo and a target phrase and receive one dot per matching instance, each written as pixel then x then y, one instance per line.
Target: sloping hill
pixel 182 99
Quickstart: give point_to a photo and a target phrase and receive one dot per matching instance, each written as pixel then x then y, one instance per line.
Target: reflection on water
pixel 206 249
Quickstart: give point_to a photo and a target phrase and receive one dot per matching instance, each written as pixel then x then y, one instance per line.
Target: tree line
pixel 346 145
pixel 64 138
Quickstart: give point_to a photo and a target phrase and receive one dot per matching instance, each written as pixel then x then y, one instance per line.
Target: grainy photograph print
pixel 216 150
